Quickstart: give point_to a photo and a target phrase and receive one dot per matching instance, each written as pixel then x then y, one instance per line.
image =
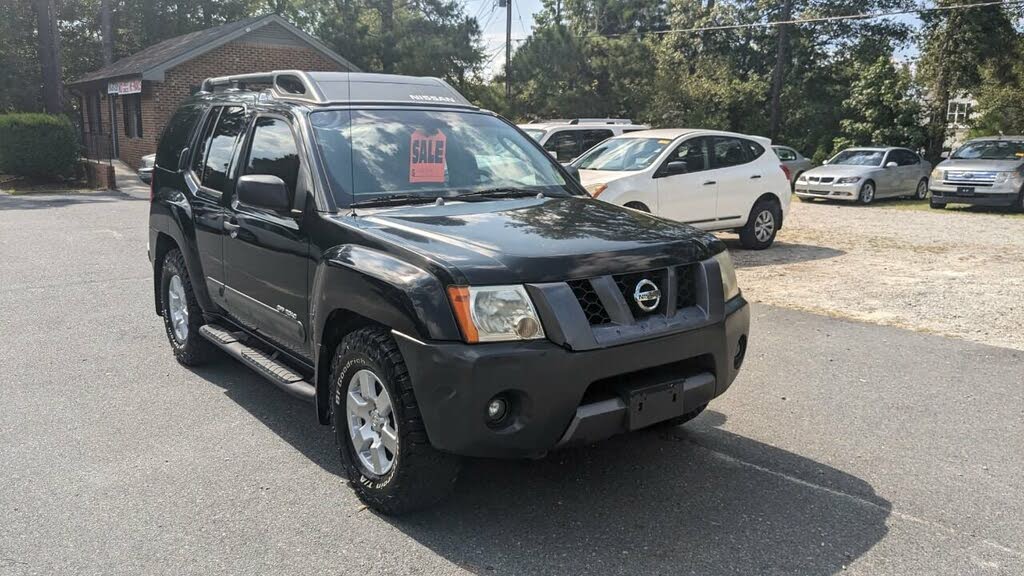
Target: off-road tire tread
pixel 423 476
pixel 196 350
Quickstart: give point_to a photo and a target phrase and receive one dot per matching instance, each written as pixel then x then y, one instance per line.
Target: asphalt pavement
pixel 843 448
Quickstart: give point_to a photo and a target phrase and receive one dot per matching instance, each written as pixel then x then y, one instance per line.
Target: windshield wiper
pixel 498 193
pixel 395 199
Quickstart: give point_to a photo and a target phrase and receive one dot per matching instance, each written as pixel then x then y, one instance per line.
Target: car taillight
pixel 786 171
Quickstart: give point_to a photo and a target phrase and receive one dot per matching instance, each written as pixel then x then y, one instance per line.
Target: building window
pixel 94 107
pixel 132 115
pixel 958 112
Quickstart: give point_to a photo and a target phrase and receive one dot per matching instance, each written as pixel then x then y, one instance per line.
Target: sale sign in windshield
pixel 426 157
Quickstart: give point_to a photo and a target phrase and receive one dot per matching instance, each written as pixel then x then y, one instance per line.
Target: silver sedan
pixel 864 174
pixel 794 161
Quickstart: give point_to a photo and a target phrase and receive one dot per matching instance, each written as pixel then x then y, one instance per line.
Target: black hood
pixel 538 240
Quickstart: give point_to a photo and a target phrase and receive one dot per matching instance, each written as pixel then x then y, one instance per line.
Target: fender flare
pixel 173 217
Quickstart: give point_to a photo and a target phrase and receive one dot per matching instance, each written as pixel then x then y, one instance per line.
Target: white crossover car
pixel 712 180
pixel 864 174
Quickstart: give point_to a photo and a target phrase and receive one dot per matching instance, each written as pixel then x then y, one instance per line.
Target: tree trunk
pixel 387 33
pixel 107 32
pixel 49 55
pixel 779 74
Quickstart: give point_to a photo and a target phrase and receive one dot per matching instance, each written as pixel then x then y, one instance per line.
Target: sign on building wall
pixel 124 87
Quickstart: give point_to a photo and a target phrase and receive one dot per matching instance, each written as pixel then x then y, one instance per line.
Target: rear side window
pixel 727 151
pixel 754 150
pixel 785 154
pixel 905 158
pixel 565 144
pixel 592 138
pixel 274 152
pixel 176 136
pixel 218 148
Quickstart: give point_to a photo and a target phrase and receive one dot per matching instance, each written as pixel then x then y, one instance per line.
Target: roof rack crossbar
pixel 285 83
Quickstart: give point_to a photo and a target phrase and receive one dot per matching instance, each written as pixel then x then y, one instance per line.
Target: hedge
pixel 37 145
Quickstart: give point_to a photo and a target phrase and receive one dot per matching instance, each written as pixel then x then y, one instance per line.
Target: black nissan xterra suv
pixel 427 276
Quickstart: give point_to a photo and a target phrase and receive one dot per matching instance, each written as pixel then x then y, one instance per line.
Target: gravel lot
pixel 957 274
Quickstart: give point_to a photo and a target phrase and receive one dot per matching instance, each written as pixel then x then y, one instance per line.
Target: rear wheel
pixel 379 430
pixel 762 225
pixel 182 315
pixel 922 189
pixel 867 193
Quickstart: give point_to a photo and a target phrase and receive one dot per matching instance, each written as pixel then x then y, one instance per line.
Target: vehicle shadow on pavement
pixel 695 500
pixel 779 253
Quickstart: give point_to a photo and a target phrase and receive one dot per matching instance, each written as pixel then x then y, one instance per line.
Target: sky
pixel 492 23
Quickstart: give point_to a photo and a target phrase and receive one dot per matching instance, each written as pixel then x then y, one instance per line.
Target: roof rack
pixel 284 83
pixel 574 121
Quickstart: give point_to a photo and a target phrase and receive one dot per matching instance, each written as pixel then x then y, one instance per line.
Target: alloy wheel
pixel 764 225
pixel 922 189
pixel 177 305
pixel 371 422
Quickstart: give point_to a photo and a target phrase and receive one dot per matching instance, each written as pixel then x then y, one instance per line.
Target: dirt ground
pixel 953 273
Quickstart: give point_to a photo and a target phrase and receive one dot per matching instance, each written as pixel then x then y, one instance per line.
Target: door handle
pixel 232 228
pixel 755 176
pixel 710 182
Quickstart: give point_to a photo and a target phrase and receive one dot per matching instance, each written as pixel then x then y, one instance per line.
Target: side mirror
pixel 263 191
pixel 573 171
pixel 183 159
pixel 944 154
pixel 674 167
pixel 891 165
pixel 825 161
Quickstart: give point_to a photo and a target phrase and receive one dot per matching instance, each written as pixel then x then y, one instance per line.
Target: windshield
pixel 859 158
pixel 623 154
pixel 534 133
pixel 370 153
pixel 991 150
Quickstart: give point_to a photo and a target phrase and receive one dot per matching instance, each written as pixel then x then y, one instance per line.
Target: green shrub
pixel 37 145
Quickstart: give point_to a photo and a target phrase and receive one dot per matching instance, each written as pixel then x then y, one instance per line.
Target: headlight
pixel 801 178
pixel 848 180
pixel 730 287
pixel 495 313
pixel 1002 177
pixel 936 175
pixel 596 189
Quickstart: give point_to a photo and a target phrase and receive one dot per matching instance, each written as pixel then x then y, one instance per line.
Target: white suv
pixel 567 139
pixel 710 179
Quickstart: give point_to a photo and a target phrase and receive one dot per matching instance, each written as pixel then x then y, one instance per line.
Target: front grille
pixel 592 307
pixel 820 179
pixel 627 284
pixel 970 176
pixel 686 286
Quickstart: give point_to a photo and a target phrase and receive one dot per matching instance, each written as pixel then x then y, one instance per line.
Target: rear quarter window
pixel 177 135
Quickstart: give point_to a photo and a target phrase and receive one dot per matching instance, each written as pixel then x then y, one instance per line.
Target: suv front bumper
pixel 557 396
pixel 998 195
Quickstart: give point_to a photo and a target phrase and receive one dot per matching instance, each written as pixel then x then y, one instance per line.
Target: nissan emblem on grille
pixel 647 295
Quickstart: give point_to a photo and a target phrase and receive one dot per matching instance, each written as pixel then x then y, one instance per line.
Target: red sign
pixel 426 157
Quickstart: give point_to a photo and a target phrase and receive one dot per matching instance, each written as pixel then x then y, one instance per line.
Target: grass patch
pixel 19 185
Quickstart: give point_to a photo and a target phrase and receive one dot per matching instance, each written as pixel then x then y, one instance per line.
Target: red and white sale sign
pixel 426 157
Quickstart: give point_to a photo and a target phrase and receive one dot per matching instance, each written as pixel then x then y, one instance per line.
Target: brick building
pixel 141 91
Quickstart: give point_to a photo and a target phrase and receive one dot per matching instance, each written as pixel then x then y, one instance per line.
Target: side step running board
pixel 279 374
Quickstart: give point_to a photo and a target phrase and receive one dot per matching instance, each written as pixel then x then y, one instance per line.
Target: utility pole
pixel 508 49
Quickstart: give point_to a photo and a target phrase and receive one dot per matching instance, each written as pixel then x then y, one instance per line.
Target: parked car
pixel 145 171
pixel 455 292
pixel 567 139
pixel 864 174
pixel 793 161
pixel 712 180
pixel 984 172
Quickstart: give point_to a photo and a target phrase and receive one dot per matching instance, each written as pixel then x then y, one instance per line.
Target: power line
pixel 814 20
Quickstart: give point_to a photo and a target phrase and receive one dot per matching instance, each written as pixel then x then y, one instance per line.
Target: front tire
pixel 936 205
pixel 762 225
pixel 182 315
pixel 867 193
pixel 379 430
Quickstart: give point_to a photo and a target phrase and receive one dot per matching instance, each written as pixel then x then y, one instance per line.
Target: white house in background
pixel 958 115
